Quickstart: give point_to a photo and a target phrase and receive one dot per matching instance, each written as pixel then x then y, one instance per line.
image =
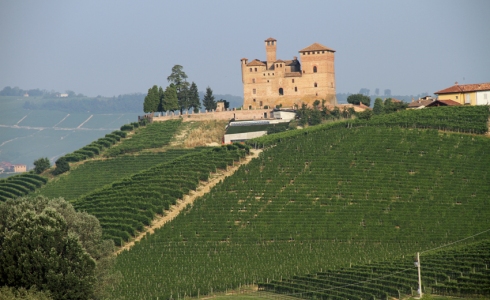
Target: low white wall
pixel 243 136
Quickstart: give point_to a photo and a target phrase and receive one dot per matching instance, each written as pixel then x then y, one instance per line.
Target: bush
pixel 127 127
pixel 62 166
pixel 41 164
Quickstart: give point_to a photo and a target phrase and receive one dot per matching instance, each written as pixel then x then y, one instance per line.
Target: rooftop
pixel 461 88
pixel 316 47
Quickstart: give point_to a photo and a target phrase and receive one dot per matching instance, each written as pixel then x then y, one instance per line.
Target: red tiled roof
pixel 419 103
pixel 444 103
pixel 316 47
pixel 279 60
pixel 270 39
pixel 255 62
pixel 461 88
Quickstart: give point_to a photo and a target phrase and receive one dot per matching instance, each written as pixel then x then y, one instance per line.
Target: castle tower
pixel 270 49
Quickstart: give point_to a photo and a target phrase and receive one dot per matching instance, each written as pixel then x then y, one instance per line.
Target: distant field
pixel 27 135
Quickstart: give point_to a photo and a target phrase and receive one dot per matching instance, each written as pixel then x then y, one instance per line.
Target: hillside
pixel 324 200
pixel 350 194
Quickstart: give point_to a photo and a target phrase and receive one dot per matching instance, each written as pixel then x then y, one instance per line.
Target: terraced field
pixel 328 199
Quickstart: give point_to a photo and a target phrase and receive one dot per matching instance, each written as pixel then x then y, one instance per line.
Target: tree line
pixel 179 95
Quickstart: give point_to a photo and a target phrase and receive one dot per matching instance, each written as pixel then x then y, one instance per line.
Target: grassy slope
pixel 321 200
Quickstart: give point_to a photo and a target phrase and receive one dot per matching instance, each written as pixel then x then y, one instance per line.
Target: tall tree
pixel 152 100
pixel 378 106
pixel 42 244
pixel 194 101
pixel 208 101
pixel 170 100
pixel 179 79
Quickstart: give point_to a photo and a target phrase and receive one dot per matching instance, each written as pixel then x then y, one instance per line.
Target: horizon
pixel 114 48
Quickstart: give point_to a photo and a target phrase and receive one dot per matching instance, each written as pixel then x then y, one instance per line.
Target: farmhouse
pixel 288 82
pixel 467 94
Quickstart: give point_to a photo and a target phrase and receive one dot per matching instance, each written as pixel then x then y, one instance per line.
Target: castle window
pixel 323 52
pixel 295 88
pixel 272 74
pixel 281 92
pixel 253 80
pixel 314 69
pixel 260 104
pixel 315 85
pixel 250 69
pixel 293 80
pixel 249 107
pixel 303 71
pixel 254 91
pixel 255 69
pixel 280 65
pixel 254 100
pixel 267 80
pixel 268 74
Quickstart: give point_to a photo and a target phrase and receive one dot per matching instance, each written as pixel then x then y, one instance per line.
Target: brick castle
pixel 289 82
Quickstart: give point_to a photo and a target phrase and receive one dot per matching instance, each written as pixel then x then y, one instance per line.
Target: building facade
pixel 467 94
pixel 273 82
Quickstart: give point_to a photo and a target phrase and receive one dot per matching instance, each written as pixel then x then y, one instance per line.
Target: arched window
pixel 314 69
pixel 281 92
pixel 293 80
pixel 255 69
pixel 295 88
pixel 249 107
pixel 316 85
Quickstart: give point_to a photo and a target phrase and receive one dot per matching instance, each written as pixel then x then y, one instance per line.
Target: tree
pixel 179 79
pixel 194 100
pixel 391 106
pixel 359 98
pixel 170 100
pixel 47 244
pixel 152 100
pixel 62 166
pixel 208 101
pixel 378 106
pixel 366 115
pixel 41 164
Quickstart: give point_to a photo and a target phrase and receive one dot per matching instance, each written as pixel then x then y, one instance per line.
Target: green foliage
pixel 127 127
pixel 365 115
pixel 152 100
pixel 359 98
pixel 170 99
pixel 323 199
pixel 378 106
pixel 178 79
pixel 466 266
pixel 95 174
pixel 208 102
pixel 8 293
pixel 41 164
pixel 62 166
pixel 154 135
pixel 20 185
pixel 128 205
pixel 194 100
pixel 391 107
pixel 41 248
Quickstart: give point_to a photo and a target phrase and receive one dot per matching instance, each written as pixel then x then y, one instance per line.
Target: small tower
pixel 270 49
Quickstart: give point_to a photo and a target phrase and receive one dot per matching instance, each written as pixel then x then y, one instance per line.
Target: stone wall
pixel 256 114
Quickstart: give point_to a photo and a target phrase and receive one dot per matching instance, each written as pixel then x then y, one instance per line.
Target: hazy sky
pixel 114 47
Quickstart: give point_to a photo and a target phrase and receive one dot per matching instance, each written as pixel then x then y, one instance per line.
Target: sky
pixel 110 48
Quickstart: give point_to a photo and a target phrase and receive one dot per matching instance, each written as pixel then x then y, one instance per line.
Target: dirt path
pixel 189 199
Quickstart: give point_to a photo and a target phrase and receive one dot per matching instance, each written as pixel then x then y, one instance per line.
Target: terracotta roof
pixel 244 58
pixel 279 60
pixel 444 103
pixel 461 88
pixel 396 100
pixel 270 39
pixel 419 103
pixel 316 47
pixel 255 62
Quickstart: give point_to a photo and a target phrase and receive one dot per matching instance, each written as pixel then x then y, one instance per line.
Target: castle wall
pixel 261 84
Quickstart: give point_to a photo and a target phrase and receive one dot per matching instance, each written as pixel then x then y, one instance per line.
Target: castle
pixel 273 82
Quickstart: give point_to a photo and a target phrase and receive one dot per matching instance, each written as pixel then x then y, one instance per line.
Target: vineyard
pixel 128 205
pixel 20 185
pixel 457 271
pixel 334 197
pixel 467 119
pixel 96 173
